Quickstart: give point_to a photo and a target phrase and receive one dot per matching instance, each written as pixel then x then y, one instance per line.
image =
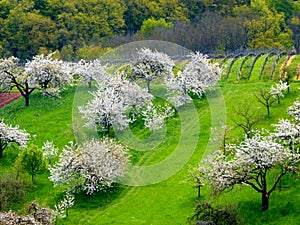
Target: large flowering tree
pixel 42 72
pixel 151 65
pixel 112 103
pixel 90 167
pixel 10 134
pixel 197 76
pixel 254 160
pixel 257 158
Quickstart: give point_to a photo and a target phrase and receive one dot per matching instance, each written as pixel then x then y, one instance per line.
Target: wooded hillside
pixel 84 28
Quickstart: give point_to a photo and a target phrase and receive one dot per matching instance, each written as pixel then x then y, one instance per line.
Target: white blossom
pixel 42 72
pixel 61 209
pixel 49 150
pixel 91 166
pixel 91 70
pixel 112 102
pixel 253 157
pixel 154 116
pixel 197 76
pixel 10 134
pixel 151 65
pixel 294 111
pixel 45 73
pixel 278 90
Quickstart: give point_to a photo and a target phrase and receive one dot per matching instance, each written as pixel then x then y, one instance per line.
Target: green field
pixel 173 200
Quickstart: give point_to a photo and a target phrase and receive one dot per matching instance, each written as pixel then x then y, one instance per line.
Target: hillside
pixel 173 200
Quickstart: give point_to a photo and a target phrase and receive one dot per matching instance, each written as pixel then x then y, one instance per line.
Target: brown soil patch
pixel 8 97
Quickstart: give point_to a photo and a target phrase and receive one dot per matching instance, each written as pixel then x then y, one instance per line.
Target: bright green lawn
pixel 167 202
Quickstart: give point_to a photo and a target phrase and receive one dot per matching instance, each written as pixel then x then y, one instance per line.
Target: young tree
pixel 90 71
pixel 154 116
pixel 151 65
pixel 278 90
pixel 49 150
pixel 245 117
pixel 10 134
pixel 32 161
pixel 265 98
pixel 91 166
pixel 254 160
pixel 114 99
pixel 198 76
pixel 42 73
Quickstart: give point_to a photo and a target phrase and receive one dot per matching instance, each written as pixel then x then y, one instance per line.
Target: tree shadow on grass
pixel 100 199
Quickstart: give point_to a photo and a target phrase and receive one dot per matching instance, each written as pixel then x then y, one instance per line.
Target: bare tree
pixel 266 98
pixel 245 117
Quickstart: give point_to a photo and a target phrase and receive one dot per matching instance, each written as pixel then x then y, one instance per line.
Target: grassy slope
pixel 169 202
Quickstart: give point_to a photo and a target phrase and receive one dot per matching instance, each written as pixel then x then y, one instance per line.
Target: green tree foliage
pixel 265 28
pixel 32 27
pixel 32 161
pixel 150 24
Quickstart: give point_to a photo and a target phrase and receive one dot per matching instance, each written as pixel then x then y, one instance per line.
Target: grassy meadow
pixel 173 200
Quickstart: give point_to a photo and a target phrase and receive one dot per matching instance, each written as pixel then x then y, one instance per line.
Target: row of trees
pixel 118 100
pixel 75 28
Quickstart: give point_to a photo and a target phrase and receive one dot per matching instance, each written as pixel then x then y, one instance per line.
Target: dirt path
pixel 8 97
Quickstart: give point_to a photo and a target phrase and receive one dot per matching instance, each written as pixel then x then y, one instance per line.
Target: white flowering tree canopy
pixel 114 98
pixel 294 111
pixel 197 76
pixel 151 65
pixel 154 116
pixel 10 134
pixel 49 150
pixel 278 90
pixel 251 164
pixel 42 72
pixel 90 70
pixel 287 133
pixel 90 167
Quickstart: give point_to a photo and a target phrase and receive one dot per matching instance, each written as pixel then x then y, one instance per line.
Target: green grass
pixel 173 200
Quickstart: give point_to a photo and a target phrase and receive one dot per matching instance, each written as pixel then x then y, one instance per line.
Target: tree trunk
pixel 148 86
pixel 268 109
pixel 1 152
pixel 26 100
pixel 265 201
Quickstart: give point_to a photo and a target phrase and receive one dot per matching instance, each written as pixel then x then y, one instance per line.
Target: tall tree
pixel 43 72
pixel 254 161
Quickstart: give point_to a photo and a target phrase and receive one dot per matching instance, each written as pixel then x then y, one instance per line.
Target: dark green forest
pixel 87 28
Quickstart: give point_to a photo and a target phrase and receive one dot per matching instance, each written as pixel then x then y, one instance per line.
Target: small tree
pixel 10 134
pixel 198 76
pixel 32 161
pixel 151 65
pixel 245 117
pixel 154 116
pixel 62 208
pixel 49 150
pixel 278 90
pixel 265 98
pixel 91 166
pixel 251 165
